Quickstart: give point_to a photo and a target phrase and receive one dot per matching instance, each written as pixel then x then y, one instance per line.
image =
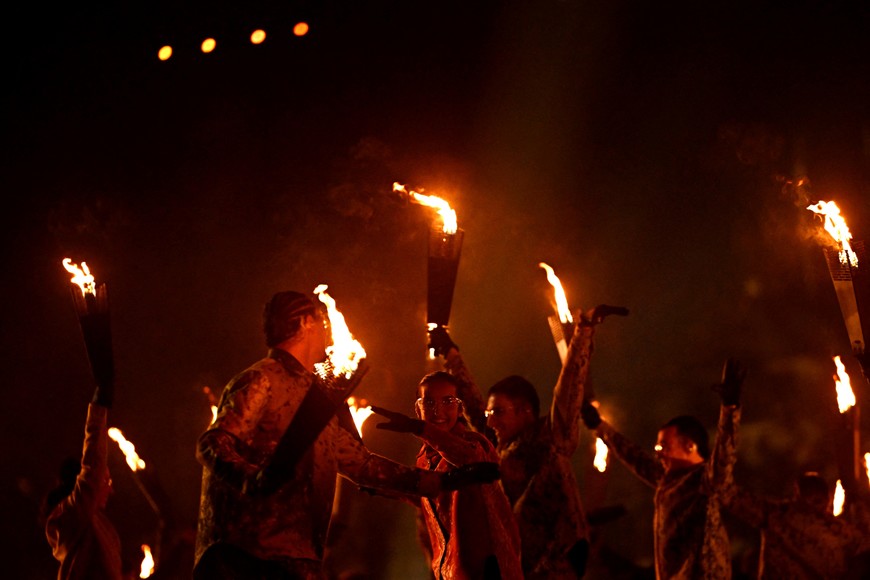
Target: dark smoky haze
pixel 658 157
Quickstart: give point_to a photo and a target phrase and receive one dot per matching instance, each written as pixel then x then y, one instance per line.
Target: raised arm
pixel 720 467
pixel 568 393
pixel 94 473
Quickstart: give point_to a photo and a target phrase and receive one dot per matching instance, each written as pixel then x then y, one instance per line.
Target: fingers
pixel 385 412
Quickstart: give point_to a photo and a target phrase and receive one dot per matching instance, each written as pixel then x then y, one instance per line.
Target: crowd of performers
pixel 493 480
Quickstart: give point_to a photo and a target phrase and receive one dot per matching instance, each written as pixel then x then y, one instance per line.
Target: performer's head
pixel 438 403
pixel 66 481
pixel 294 322
pixel 513 405
pixel 682 442
pixel 812 489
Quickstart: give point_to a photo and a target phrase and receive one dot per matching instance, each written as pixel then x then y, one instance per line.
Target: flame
pixel 835 225
pixel 81 276
pixel 867 465
pixel 845 395
pixel 147 567
pixel 600 461
pixel 839 498
pixel 345 353
pixel 213 414
pixel 561 301
pixel 127 448
pixel 448 216
pixel 360 412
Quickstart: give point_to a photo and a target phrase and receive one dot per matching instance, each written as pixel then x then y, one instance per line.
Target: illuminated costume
pixel 798 541
pixel 81 537
pixel 690 539
pixel 286 529
pixel 472 528
pixel 536 469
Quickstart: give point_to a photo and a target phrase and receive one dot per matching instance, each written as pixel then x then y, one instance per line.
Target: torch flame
pixel 127 448
pixel 845 395
pixel 213 414
pixel 867 465
pixel 81 276
pixel 345 353
pixel 561 301
pixel 359 411
pixel 448 216
pixel 839 498
pixel 600 461
pixel 147 566
pixel 835 225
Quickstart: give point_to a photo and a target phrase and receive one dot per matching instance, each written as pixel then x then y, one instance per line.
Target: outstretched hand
pixel 440 341
pixel 598 314
pixel 733 375
pixel 470 474
pixel 398 422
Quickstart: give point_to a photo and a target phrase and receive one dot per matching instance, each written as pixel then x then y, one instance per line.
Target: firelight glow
pixel 258 36
pixel 839 498
pixel 448 216
pixel 867 464
pixel 301 29
pixel 845 395
pixel 213 414
pixel 208 45
pixel 345 353
pixel 600 461
pixel 360 411
pixel 81 276
pixel 146 569
pixel 127 448
pixel 561 300
pixel 836 226
pixel 165 52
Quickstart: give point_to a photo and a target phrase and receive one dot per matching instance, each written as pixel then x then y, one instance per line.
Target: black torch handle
pixel 97 333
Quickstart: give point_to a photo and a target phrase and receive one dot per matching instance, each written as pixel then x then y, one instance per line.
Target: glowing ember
pixel 345 353
pixel 147 566
pixel 360 412
pixel 448 216
pixel 845 395
pixel 839 498
pixel 81 276
pixel 561 300
pixel 600 461
pixel 127 448
pixel 835 225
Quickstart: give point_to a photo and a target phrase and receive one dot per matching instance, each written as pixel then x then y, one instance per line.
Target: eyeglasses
pixel 429 403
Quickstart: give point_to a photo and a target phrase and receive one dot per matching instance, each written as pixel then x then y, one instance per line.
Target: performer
pixel 252 525
pixel 81 537
pixel 690 483
pixel 472 532
pixel 535 452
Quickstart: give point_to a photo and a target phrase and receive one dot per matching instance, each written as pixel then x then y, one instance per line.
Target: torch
pixel 445 247
pixel 562 322
pixel 92 306
pixel 847 404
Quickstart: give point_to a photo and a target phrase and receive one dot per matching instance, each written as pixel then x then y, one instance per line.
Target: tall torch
pixel 445 247
pixel 850 456
pixel 562 323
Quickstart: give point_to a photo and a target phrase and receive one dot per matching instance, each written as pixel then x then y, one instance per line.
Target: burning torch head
pixel 284 315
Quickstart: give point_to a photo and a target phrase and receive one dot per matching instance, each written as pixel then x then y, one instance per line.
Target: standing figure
pixel 251 524
pixel 535 452
pixel 471 532
pixel 690 483
pixel 81 537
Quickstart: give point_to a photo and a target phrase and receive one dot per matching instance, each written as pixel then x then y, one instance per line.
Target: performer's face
pixel 507 416
pixel 675 451
pixel 319 336
pixel 438 405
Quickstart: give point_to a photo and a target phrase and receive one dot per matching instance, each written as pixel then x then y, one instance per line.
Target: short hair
pixel 439 377
pixel 516 387
pixel 283 314
pixel 692 429
pixel 813 488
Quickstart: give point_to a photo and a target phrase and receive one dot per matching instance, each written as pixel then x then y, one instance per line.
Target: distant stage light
pixel 164 53
pixel 258 36
pixel 301 29
pixel 208 45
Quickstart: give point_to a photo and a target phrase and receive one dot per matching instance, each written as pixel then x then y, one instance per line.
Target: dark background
pixel 649 152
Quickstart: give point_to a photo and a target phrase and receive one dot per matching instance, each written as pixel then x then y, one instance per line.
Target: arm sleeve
pixel 457 450
pixel 638 461
pixel 94 474
pixel 749 507
pixel 469 391
pixel 221 448
pixel 568 393
pixel 720 468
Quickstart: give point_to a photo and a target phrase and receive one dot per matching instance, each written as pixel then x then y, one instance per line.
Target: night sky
pixel 649 152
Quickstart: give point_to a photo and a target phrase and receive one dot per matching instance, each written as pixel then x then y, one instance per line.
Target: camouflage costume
pixel 536 469
pixel 690 539
pixel 288 527
pixel 467 526
pixel 81 537
pixel 798 541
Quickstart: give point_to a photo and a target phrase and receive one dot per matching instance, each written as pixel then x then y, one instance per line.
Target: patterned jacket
pixel 255 409
pixel 536 469
pixel 81 537
pixel 690 539
pixel 798 541
pixel 467 526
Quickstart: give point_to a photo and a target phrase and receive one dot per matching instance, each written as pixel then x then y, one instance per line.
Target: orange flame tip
pixel 562 308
